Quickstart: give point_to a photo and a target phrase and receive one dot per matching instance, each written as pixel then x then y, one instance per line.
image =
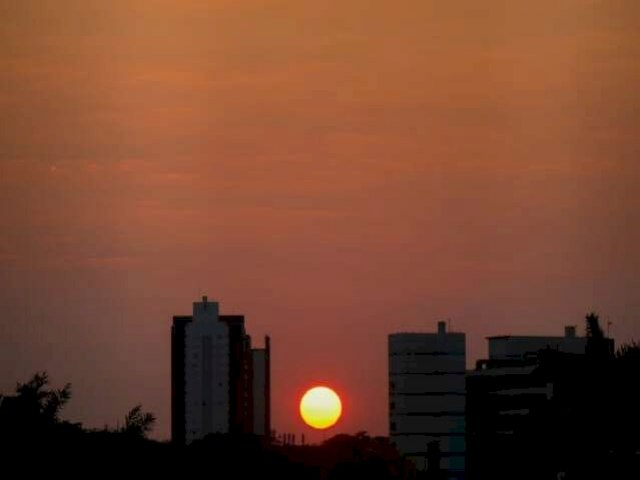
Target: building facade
pixel 427 397
pixel 214 378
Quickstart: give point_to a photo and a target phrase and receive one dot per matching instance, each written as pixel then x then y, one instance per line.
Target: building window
pixel 393 426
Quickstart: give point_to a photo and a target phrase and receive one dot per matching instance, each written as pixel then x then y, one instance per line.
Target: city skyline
pixel 335 172
pixel 404 343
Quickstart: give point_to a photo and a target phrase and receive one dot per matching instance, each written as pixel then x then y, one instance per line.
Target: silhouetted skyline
pixel 334 170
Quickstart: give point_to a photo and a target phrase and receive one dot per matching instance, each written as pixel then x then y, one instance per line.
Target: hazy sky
pixel 334 170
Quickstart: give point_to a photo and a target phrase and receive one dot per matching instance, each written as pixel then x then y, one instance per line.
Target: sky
pixel 335 171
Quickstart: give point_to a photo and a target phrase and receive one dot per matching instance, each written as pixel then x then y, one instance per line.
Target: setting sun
pixel 320 407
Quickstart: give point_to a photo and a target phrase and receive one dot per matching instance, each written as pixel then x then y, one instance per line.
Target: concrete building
pixel 215 382
pixel 427 396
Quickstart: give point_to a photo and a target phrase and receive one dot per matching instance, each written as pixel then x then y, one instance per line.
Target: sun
pixel 320 407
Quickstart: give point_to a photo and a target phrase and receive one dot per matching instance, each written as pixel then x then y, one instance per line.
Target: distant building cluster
pixel 441 413
pixel 219 383
pixel 452 422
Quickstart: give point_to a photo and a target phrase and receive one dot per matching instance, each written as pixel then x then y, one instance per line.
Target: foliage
pixel 138 423
pixel 38 400
pixel 594 331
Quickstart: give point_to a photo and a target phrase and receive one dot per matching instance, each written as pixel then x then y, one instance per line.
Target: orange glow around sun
pixel 320 407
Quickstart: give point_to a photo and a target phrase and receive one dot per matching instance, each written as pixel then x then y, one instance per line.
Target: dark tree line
pixel 34 439
pixel 34 412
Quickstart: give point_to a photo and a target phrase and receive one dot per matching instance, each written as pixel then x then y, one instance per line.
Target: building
pixel 519 347
pixel 262 383
pixel 219 384
pixel 511 393
pixel 427 397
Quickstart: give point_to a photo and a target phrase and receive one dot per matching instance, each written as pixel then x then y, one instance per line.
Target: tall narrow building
pixel 261 388
pixel 213 376
pixel 427 398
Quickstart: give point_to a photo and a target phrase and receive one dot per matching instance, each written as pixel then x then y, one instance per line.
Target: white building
pixel 206 373
pixel 218 383
pixel 427 396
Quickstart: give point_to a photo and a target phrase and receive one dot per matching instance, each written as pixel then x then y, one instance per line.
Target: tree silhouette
pixel 37 399
pixel 599 347
pixel 594 331
pixel 35 406
pixel 138 423
pixel 629 353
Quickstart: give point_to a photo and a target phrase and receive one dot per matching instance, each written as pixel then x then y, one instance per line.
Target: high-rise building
pixel 217 386
pixel 427 398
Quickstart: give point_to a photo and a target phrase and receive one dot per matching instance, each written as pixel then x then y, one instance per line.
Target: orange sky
pixel 334 170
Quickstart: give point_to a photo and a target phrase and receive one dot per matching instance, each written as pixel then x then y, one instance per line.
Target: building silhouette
pixel 427 398
pixel 512 393
pixel 519 347
pixel 219 384
pixel 262 384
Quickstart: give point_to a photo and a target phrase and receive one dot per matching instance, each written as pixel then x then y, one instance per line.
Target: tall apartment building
pixel 427 397
pixel 219 384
